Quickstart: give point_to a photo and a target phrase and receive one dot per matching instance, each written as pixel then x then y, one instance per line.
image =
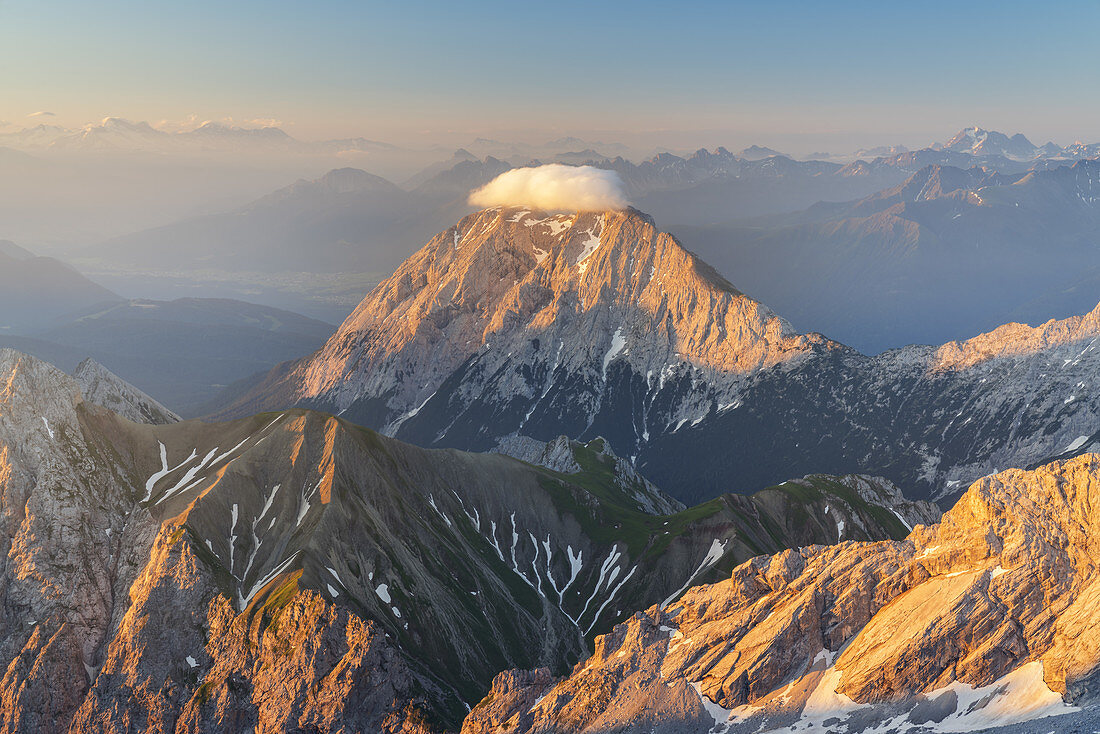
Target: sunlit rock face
pixel 292 567
pixel 515 323
pixel 986 618
pixel 564 294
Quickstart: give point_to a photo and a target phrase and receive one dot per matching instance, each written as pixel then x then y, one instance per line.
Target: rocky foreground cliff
pixel 987 618
pixel 534 324
pixel 291 571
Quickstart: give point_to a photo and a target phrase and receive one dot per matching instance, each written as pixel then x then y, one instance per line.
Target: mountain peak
pixel 758 152
pixel 535 299
pixel 45 393
pixel 937 180
pixel 12 250
pixel 122 124
pixel 29 385
pixel 336 181
pixel 106 389
pixel 342 180
pixel 981 142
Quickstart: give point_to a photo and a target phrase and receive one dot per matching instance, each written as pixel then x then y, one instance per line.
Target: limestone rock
pixel 513 694
pixel 523 323
pixel 102 387
pixel 294 571
pixel 995 604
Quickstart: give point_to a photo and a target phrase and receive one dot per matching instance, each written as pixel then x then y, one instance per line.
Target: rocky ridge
pixel 292 570
pixel 981 620
pixel 516 323
pixel 102 387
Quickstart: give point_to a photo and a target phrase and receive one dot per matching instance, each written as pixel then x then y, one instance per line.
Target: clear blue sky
pixel 702 72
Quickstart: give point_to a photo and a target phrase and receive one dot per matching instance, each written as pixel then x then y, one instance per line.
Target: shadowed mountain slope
pixel 293 567
pixel 519 323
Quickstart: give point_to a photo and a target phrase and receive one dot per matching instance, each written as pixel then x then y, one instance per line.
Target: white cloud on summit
pixel 554 187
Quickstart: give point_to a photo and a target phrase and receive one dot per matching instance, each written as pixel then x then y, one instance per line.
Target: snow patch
pixel 928 551
pixel 575 565
pixel 267 504
pixel 304 504
pixel 825 703
pixel 1022 695
pixel 618 341
pixel 186 482
pixel 590 245
pixel 902 519
pixel 431 501
pixel 243 601
pixel 717 550
pixel 391 429
pixel 1077 443
pixel 164 470
pixel 612 558
pixel 559 224
pixel 220 457
pixel 720 714
pixel 610 596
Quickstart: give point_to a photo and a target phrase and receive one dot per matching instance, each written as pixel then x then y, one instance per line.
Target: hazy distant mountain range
pixel 350 220
pixel 864 252
pixel 344 220
pixel 183 352
pixel 36 290
pixel 948 253
pixel 118 135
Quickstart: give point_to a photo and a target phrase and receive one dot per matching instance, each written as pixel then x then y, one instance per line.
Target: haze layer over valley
pixel 877 248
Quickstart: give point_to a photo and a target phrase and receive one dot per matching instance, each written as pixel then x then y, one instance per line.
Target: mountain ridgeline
pixel 521 323
pixel 983 620
pixel 946 254
pixel 294 570
pixel 785 229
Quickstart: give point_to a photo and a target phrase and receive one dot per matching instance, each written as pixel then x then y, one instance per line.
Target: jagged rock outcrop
pixel 292 570
pixel 514 694
pixel 185 660
pixel 102 387
pixel 516 323
pixel 985 618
